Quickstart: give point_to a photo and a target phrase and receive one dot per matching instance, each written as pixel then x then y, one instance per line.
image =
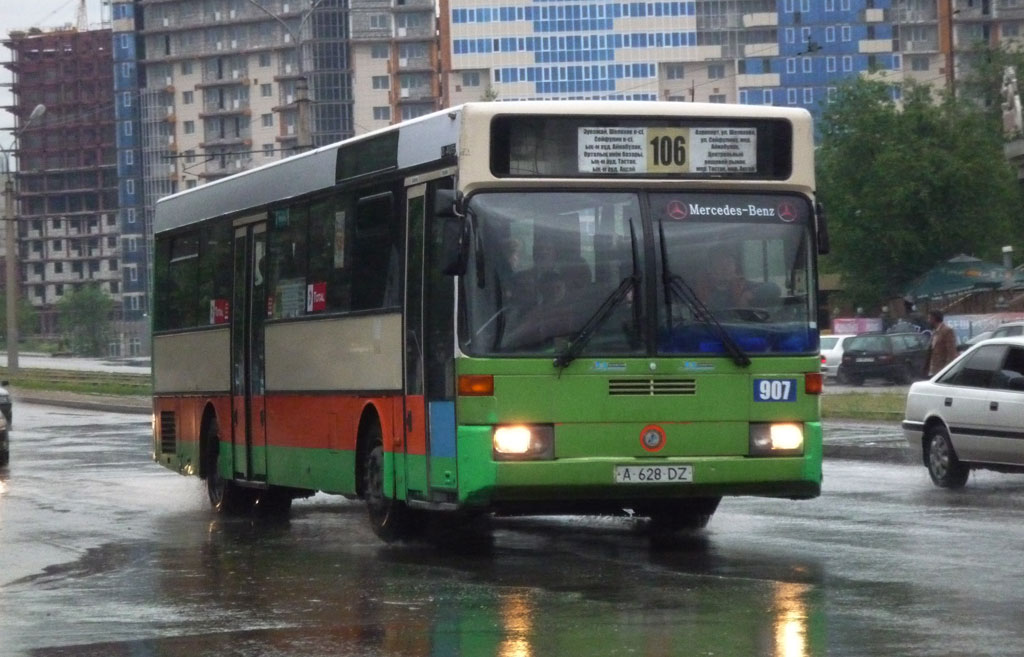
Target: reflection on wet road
pixel 104 553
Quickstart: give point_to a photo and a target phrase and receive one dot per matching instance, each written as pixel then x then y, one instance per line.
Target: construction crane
pixel 82 19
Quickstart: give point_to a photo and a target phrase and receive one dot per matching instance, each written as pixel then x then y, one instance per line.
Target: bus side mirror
pixel 454 232
pixel 819 217
pixel 454 245
pixel 448 203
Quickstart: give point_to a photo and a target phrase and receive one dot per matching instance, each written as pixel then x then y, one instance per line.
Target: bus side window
pixel 376 253
pixel 287 270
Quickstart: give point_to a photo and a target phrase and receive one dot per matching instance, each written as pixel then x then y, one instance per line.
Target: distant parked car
pixel 5 443
pixel 969 414
pixel 1009 329
pixel 5 402
pixel 832 353
pixel 970 342
pixel 898 357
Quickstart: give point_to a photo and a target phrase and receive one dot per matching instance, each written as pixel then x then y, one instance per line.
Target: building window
pixel 897 63
pixel 129 157
pixel 129 186
pixel 805 34
pixel 134 302
pixel 186 68
pixel 845 32
pixel 264 59
pixel 268 120
pixel 187 97
pixel 268 150
pixel 191 183
pixel 808 95
pixel 382 113
pixel 716 71
pixel 126 99
pixel 130 215
pixel 830 64
pixel 716 98
pixel 791 96
pixel 131 244
pixel 674 71
pixel 790 35
pixel 381 82
pixel 471 79
pixel 919 63
pixel 807 65
pixel 379 21
pixel 847 63
pixel 58 245
pixel 189 127
pixel 766 97
pixel 133 274
pixel 844 5
pixel 127 128
pixel 380 51
pixel 266 90
pixel 58 289
pixel 830 5
pixel 791 65
pixel 830 34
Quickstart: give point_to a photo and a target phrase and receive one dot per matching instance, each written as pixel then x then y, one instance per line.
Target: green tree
pixel 85 320
pixel 907 185
pixel 28 318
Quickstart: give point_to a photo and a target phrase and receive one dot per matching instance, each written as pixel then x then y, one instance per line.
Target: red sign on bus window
pixel 316 297
pixel 219 311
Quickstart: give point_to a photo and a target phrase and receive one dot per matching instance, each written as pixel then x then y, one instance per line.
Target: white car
pixel 970 414
pixel 832 353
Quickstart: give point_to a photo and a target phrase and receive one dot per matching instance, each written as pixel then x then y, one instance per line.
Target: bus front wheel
pixel 390 519
pixel 226 496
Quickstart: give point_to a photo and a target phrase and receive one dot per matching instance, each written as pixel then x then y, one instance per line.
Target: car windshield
pixel 828 343
pixel 551 269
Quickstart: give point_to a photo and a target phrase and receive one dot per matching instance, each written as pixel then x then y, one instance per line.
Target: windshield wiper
pixel 676 286
pixel 582 337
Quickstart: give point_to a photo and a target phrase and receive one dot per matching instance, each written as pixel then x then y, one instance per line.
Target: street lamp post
pixel 303 133
pixel 11 227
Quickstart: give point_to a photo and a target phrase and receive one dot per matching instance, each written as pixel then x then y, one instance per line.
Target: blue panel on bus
pixel 442 429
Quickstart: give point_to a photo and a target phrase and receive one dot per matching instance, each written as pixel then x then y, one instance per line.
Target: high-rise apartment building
pixel 67 179
pixel 779 52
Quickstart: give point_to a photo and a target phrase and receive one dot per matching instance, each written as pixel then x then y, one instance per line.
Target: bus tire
pixel 226 497
pixel 274 501
pixel 391 520
pixel 687 515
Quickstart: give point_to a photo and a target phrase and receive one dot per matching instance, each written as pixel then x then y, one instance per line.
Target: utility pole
pixel 303 131
pixel 11 228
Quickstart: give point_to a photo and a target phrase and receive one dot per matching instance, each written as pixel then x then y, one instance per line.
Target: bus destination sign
pixel 667 150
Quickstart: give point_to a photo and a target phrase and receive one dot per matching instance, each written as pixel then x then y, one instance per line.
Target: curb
pixel 899 455
pixel 107 406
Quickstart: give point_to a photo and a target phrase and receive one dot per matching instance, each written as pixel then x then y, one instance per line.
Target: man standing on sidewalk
pixel 943 348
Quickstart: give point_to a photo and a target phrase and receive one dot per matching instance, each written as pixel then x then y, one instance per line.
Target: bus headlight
pixel 522 442
pixel 782 439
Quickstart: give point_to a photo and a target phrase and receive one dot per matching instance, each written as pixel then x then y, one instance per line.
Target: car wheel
pixel 944 466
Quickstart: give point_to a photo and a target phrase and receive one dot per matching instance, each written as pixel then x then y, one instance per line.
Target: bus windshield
pixel 543 265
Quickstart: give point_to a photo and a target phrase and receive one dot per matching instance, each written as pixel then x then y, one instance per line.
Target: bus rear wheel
pixel 390 519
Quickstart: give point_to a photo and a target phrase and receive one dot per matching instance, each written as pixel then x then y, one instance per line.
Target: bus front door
pixel 430 463
pixel 249 310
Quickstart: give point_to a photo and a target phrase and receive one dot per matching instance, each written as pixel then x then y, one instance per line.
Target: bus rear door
pixel 248 409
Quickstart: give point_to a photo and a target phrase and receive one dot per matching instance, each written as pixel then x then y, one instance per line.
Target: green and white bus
pixel 511 307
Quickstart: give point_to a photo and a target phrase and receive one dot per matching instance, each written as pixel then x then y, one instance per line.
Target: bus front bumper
pixel 590 484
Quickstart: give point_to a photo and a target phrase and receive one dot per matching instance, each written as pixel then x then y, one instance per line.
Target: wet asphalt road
pixel 103 553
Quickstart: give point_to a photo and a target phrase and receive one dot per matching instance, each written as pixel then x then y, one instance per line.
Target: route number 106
pixel 668 151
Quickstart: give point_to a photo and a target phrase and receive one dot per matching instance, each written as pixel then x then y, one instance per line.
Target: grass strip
pixel 863 406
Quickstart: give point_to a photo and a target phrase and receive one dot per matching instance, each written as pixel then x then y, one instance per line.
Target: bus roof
pixel 419 141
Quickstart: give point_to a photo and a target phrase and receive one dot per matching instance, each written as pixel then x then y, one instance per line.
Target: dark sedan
pixel 898 357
